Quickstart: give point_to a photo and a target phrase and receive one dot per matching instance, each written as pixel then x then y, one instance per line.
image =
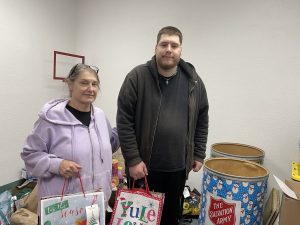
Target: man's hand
pixel 138 171
pixel 197 166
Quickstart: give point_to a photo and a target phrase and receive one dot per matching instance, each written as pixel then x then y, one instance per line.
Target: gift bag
pixel 191 203
pixel 137 206
pixel 23 217
pixel 5 207
pixel 74 209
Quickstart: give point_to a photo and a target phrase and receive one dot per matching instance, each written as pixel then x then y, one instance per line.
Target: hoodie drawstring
pixel 99 141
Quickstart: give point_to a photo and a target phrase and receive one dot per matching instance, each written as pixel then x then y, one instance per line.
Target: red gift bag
pixel 137 206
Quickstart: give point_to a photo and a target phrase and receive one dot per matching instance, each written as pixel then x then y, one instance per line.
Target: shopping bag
pixel 74 209
pixel 137 206
pixel 24 217
pixel 5 207
pixel 191 203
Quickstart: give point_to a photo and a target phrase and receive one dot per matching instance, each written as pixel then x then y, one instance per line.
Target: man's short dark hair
pixel 169 30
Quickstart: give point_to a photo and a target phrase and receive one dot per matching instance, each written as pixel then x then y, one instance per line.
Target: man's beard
pixel 167 66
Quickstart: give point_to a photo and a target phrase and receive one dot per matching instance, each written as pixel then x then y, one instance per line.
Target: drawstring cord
pixel 99 141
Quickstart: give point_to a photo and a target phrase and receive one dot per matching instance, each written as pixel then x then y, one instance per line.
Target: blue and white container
pixel 233 192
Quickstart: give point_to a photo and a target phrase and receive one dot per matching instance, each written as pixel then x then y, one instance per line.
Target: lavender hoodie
pixel 58 135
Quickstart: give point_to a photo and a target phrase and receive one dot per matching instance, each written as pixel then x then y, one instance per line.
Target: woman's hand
pixel 69 169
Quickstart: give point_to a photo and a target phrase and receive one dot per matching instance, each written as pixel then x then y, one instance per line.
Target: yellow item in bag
pixel 296 171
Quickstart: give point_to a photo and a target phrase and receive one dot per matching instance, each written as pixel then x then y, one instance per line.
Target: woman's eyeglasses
pixel 95 68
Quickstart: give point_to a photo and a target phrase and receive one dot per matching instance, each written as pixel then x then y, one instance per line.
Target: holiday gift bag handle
pixel 66 180
pixel 146 185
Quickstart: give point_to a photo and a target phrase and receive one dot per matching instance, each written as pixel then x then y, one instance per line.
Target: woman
pixel 72 137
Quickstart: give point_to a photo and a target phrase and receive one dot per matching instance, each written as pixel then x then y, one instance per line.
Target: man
pixel 162 121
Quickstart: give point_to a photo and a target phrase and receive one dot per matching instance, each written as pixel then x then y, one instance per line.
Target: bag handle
pixel 66 180
pixel 146 185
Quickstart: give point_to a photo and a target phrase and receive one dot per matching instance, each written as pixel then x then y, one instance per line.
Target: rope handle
pixel 66 180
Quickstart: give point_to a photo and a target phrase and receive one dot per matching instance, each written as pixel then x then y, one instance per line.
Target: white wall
pixel 29 33
pixel 245 51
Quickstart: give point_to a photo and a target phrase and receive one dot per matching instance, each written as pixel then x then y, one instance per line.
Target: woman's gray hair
pixel 79 68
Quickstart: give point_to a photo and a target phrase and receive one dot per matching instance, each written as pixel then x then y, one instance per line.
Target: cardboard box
pixel 290 207
pixel 272 207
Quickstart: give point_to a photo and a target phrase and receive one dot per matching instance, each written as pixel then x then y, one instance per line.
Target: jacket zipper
pixel 156 121
pixel 93 177
pixel 194 84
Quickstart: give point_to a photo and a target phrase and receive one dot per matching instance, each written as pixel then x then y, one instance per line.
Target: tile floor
pixel 188 222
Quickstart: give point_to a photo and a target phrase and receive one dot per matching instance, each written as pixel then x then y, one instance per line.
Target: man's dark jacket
pixel 139 104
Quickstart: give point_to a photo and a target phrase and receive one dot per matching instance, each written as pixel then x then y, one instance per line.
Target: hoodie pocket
pixel 103 181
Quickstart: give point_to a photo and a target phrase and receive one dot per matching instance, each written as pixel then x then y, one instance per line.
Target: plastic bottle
pixel 115 163
pixel 114 178
pixel 120 174
pixel 13 203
